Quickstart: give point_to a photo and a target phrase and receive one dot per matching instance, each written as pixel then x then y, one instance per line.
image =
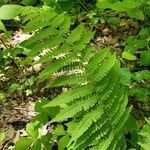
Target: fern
pixel 73 109
pixel 94 98
pixel 75 34
pixel 56 52
pixel 56 66
pixel 68 80
pixel 71 95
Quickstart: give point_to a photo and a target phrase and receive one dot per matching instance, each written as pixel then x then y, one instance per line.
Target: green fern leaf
pixel 70 96
pixel 86 122
pixel 68 80
pixel 58 20
pixel 82 43
pixel 96 132
pixel 64 28
pixel 29 13
pixel 56 66
pixel 97 59
pixel 55 52
pixel 40 21
pixel 104 69
pixel 70 111
pixel 56 40
pixel 39 36
pixel 120 111
pixel 94 100
pixel 104 144
pixel 75 34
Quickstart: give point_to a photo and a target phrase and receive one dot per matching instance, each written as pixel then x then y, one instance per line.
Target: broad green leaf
pixel 144 146
pixel 2 27
pixel 71 126
pixel 10 11
pixel 32 130
pixel 131 124
pixel 42 118
pixel 128 56
pixel 142 43
pixel 37 145
pixel 59 130
pixel 46 144
pixel 129 6
pixel 147 11
pixel 125 75
pixel 144 33
pixel 145 58
pixel 63 141
pixel 136 13
pixel 53 111
pixel 131 40
pixel 23 144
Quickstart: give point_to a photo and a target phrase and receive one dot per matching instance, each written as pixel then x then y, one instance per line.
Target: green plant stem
pixel 4 43
pixel 132 144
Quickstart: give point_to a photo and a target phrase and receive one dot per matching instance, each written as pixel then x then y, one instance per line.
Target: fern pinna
pixel 94 103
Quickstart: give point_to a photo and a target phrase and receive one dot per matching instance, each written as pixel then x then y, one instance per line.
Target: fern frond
pixel 96 60
pixel 85 38
pixel 104 69
pixel 76 79
pixel 29 13
pixel 86 122
pixel 70 96
pixel 87 54
pixel 41 34
pixel 64 28
pixel 94 99
pixel 122 120
pixel 104 144
pixel 94 133
pixel 55 66
pixel 120 110
pixel 56 40
pixel 55 52
pixel 58 20
pixel 75 34
pixel 119 126
pixel 70 111
pixel 40 21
